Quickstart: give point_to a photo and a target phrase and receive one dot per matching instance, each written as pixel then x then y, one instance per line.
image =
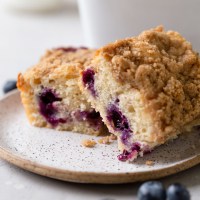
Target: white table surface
pixel 23 38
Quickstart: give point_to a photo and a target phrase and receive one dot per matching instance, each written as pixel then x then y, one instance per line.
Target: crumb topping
pixel 58 62
pixel 166 71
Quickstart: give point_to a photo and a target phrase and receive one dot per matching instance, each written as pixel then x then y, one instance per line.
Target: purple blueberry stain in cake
pixel 123 156
pixel 116 101
pixel 119 122
pixel 131 154
pixel 135 147
pixel 117 119
pixel 92 117
pixel 88 81
pixel 70 49
pixel 47 98
pixel 125 136
pixel 127 155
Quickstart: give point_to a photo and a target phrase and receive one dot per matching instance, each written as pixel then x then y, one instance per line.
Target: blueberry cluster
pixel 46 99
pixel 154 190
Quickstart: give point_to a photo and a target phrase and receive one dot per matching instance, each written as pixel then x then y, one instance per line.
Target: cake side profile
pixel 146 88
pixel 51 96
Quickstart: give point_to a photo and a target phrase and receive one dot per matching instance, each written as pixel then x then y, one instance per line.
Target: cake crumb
pixel 107 139
pixel 150 162
pixel 104 140
pixel 113 137
pixel 88 143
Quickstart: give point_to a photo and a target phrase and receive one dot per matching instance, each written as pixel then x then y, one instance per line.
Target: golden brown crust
pixel 166 71
pixel 21 83
pixel 58 63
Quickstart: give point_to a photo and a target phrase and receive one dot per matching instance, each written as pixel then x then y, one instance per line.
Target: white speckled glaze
pixel 60 154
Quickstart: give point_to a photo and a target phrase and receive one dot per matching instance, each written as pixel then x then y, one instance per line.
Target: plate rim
pixel 93 177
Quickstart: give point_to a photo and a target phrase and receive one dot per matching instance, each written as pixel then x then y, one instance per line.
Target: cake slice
pixel 51 95
pixel 146 88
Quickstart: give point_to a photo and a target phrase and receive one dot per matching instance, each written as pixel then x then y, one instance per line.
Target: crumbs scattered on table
pixel 88 143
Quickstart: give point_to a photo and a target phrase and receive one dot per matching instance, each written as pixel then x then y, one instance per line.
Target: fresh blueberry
pixel 177 192
pixel 9 85
pixel 152 190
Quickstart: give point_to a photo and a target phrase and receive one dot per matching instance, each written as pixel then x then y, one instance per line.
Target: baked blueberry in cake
pixel 51 95
pixel 146 88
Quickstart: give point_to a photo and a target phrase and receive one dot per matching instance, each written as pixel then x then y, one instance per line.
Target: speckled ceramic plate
pixel 60 155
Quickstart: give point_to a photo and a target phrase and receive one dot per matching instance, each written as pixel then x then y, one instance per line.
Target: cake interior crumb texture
pixel 147 89
pixel 51 95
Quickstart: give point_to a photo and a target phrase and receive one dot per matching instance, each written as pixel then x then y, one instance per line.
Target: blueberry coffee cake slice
pixel 51 95
pixel 146 88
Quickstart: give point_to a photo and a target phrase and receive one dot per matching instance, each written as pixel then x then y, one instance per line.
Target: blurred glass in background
pixel 29 27
pixel 34 5
pixel 105 21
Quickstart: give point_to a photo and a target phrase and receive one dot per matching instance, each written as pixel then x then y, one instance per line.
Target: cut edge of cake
pixel 51 96
pixel 133 82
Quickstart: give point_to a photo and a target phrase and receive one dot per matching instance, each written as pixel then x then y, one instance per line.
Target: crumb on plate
pixel 113 137
pixel 88 143
pixel 104 140
pixel 149 162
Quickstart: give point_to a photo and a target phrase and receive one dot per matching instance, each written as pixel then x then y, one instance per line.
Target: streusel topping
pixel 58 60
pixel 166 71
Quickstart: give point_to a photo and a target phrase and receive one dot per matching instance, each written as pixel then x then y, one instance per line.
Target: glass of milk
pixel 105 21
